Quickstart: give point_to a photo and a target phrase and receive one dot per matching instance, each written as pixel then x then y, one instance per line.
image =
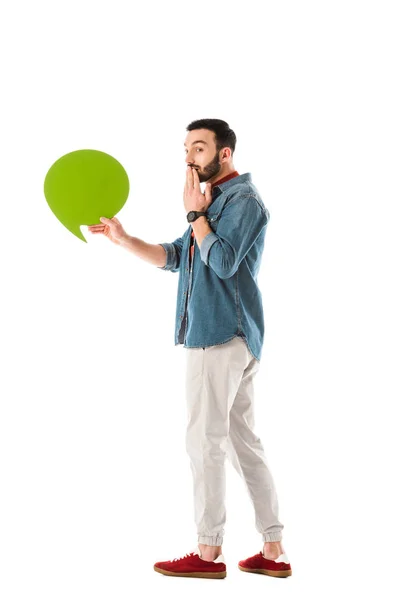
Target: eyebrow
pixel 198 142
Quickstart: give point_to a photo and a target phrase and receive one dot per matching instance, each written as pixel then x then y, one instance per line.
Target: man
pixel 219 319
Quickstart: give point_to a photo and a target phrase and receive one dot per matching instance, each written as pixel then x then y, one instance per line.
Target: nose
pixel 189 158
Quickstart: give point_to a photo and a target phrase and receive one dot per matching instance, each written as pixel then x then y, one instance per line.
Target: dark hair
pixel 224 135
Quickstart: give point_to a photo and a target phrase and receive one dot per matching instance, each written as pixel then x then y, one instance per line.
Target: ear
pixel 226 153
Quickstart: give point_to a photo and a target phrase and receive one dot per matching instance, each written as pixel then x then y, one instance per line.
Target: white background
pixel 95 480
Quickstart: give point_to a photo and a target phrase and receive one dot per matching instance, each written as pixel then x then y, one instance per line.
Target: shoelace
pixel 191 553
pixel 182 557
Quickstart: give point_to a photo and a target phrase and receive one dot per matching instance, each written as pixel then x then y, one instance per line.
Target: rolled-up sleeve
pixel 173 253
pixel 240 224
pixel 206 244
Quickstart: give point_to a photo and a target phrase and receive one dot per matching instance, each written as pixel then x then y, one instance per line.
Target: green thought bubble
pixel 82 186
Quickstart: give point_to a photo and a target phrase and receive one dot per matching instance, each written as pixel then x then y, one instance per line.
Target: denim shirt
pixel 218 295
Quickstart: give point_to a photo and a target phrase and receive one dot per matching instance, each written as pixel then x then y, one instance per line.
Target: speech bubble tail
pixel 77 231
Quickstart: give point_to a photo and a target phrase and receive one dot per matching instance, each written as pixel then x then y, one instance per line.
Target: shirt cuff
pixel 206 245
pixel 171 256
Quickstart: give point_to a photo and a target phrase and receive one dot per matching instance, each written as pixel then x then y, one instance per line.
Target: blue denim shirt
pixel 218 295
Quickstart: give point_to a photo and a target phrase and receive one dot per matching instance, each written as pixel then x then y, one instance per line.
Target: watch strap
pixel 197 214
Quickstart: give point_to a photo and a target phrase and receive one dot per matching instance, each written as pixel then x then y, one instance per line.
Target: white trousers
pixel 220 404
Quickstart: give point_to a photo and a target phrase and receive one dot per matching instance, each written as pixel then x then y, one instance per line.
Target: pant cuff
pixel 275 536
pixel 210 540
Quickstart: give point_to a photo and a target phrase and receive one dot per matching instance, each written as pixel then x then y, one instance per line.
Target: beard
pixel 210 170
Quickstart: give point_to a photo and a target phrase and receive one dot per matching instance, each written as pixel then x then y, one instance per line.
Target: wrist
pixel 195 215
pixel 125 240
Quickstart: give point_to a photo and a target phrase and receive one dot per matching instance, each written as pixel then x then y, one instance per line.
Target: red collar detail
pixel 226 178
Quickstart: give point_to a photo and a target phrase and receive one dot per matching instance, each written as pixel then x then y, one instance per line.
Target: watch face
pixel 191 216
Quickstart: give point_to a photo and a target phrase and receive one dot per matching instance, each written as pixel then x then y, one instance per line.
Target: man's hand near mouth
pixel 194 199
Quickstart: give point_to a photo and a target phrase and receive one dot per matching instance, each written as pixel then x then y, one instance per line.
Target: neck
pixel 223 173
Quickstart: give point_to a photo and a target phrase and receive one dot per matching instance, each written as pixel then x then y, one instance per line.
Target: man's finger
pixel 187 182
pixel 207 193
pixel 190 176
pixel 196 180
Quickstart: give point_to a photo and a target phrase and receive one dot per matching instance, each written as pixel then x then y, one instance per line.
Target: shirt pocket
pixel 213 219
pixel 215 212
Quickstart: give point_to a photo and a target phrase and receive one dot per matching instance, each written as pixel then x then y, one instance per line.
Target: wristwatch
pixel 193 215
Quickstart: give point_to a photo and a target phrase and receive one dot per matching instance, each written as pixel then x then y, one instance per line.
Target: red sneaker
pixel 191 565
pixel 280 567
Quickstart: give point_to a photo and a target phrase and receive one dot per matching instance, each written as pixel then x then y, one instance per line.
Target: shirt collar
pixel 233 179
pixel 226 178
